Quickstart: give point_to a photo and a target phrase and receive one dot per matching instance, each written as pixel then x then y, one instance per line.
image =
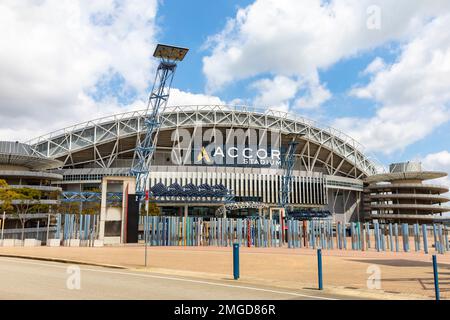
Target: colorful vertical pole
pixel 396 237
pixel 436 278
pixel 339 238
pixel 425 238
pixel 383 237
pixel 441 242
pixel 435 237
pixel 391 241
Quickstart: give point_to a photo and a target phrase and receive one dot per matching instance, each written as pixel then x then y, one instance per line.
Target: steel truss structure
pixel 288 162
pixel 246 205
pixel 86 196
pixel 336 152
pixel 157 101
pixel 204 193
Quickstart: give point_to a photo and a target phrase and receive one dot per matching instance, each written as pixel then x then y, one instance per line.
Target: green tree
pixel 153 209
pixel 25 201
pixel 6 196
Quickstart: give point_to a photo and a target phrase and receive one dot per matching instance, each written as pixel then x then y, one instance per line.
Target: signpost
pixel 146 231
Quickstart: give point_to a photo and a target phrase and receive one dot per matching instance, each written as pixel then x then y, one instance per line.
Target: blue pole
pixel 446 238
pixel 376 232
pixel 236 261
pixel 425 239
pixel 319 267
pixel 396 237
pixel 417 237
pixel 391 242
pixel 441 244
pixel 344 235
pixel 435 238
pixel 339 244
pixel 436 278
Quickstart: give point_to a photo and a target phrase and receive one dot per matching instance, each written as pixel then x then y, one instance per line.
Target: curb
pixel 61 260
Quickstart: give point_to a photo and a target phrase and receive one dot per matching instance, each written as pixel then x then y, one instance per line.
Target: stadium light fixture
pixel 167 52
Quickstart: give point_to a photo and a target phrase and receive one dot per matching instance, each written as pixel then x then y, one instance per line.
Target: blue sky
pixel 190 23
pixel 376 69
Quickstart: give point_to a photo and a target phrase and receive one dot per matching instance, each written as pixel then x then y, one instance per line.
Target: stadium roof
pixel 19 154
pixel 336 150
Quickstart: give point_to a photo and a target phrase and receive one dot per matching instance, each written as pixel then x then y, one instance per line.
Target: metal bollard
pixel 236 261
pixel 319 267
pixel 436 278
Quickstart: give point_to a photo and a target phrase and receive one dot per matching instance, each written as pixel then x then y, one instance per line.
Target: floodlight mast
pixel 287 165
pixel 157 102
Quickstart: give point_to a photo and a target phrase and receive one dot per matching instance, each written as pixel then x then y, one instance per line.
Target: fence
pixel 260 232
pixel 41 234
pixel 77 227
pixel 66 227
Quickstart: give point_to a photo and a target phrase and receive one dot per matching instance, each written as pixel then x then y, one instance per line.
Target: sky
pixel 379 70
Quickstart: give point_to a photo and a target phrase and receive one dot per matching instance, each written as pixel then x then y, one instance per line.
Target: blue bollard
pixel 236 261
pixel 436 278
pixel 319 267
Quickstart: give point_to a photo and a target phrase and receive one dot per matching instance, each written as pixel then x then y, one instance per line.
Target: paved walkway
pixel 403 275
pixel 27 279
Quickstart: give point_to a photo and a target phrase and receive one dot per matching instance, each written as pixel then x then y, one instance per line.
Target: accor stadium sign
pixel 250 147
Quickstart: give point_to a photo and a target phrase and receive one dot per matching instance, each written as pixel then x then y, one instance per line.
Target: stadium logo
pixel 203 155
pixel 231 147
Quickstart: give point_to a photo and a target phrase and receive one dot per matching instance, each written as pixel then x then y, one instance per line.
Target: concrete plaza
pixel 403 275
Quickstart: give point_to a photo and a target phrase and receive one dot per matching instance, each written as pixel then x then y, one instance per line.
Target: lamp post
pixel 3 223
pixel 146 224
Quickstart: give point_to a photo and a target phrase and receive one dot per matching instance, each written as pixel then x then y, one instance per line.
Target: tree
pixel 25 201
pixel 153 209
pixel 6 196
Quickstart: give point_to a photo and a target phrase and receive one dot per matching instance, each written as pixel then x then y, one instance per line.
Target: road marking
pixel 55 265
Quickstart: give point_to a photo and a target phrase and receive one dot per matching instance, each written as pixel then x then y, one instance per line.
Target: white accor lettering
pixel 230 154
pixel 276 154
pixel 258 153
pixel 218 152
pixel 245 154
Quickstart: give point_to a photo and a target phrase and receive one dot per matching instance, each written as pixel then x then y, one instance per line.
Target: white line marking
pixel 52 264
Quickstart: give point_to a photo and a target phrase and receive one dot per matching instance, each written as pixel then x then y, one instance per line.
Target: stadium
pixel 237 147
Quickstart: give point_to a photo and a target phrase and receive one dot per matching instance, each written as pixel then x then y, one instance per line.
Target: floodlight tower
pixel 287 165
pixel 157 101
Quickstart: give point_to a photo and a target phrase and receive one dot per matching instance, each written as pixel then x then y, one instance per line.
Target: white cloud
pixel 439 161
pixel 315 95
pixel 278 92
pixel 413 93
pixel 375 66
pixel 275 92
pixel 178 97
pixel 55 53
pixel 292 38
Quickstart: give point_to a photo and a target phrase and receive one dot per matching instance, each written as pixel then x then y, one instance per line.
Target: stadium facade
pixel 402 195
pixel 238 147
pixel 22 169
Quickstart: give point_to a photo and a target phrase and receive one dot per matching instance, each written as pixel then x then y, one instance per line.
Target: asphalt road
pixel 29 279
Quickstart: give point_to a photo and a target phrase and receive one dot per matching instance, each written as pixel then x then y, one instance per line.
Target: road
pixel 29 279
